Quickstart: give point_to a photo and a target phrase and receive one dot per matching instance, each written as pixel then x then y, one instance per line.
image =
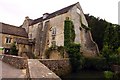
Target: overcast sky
pixel 14 11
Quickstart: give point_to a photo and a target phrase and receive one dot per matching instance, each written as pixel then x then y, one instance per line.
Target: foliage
pixel 98 63
pixel 72 48
pixel 116 76
pixel 104 33
pixel 108 74
pixel 111 57
pixel 13 49
pixel 84 26
pixel 107 36
pixel 76 59
pixel 97 27
pixel 69 33
pixel 60 49
pixel 118 50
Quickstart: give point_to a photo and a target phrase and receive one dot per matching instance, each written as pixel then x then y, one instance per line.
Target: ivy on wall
pixel 84 26
pixel 72 48
pixel 60 49
pixel 69 33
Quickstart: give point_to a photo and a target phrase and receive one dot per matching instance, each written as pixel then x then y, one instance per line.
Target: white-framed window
pixel 8 40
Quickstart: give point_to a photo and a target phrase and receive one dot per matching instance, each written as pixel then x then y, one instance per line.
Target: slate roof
pixel 22 41
pixel 13 30
pixel 56 13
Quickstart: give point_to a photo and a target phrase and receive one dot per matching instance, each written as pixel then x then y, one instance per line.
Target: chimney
pixel 27 17
pixel 45 15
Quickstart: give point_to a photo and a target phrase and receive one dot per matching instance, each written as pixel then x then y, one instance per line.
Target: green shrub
pixel 114 59
pixel 108 74
pixel 111 57
pixel 76 59
pixel 13 50
pixel 97 63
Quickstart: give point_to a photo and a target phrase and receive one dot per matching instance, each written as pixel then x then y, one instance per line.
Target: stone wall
pixel 15 61
pixel 38 71
pixel 60 67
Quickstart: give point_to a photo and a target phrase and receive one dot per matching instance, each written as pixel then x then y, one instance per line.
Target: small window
pixel 54 31
pixel 78 11
pixel 53 37
pixel 8 40
pixel 80 28
pixel 30 36
pixel 53 43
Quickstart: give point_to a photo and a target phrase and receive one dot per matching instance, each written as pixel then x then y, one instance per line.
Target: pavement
pixel 8 71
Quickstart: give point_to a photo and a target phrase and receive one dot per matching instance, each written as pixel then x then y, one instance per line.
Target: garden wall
pixel 15 61
pixel 60 67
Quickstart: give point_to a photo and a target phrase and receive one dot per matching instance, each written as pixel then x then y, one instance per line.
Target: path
pixel 11 72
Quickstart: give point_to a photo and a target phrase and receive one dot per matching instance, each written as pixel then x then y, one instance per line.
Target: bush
pixel 76 59
pixel 108 74
pixel 97 63
pixel 13 50
pixel 114 59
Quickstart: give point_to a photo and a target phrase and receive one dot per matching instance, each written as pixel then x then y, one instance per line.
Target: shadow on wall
pixel 91 47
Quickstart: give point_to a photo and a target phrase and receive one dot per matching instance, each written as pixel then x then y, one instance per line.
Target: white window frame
pixel 8 40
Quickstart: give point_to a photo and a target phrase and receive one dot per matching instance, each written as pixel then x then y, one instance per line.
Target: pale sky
pixel 14 11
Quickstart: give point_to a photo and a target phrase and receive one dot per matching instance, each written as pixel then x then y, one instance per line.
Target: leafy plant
pixel 13 49
pixel 60 49
pixel 72 48
pixel 108 74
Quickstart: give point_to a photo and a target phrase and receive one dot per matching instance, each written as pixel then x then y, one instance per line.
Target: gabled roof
pixel 56 13
pixel 13 30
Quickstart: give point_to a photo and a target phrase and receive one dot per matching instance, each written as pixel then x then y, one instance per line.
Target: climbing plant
pixel 84 26
pixel 60 49
pixel 72 48
pixel 69 33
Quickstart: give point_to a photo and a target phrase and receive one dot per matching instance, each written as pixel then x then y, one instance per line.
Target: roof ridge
pixel 53 14
pixel 65 7
pixel 11 25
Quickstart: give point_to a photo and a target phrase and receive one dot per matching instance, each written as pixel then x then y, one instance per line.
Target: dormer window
pixel 8 40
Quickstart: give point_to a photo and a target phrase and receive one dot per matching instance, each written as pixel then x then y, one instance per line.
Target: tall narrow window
pixel 54 31
pixel 8 40
pixel 30 35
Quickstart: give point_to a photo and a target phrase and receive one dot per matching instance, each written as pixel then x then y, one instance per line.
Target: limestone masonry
pixel 35 36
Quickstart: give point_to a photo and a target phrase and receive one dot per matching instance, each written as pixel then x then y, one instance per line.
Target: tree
pixel 13 49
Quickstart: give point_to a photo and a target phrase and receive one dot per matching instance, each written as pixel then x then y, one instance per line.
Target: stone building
pixel 35 36
pixel 10 34
pixel 48 30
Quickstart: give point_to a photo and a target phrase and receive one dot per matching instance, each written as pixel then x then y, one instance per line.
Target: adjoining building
pixel 13 34
pixel 35 36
